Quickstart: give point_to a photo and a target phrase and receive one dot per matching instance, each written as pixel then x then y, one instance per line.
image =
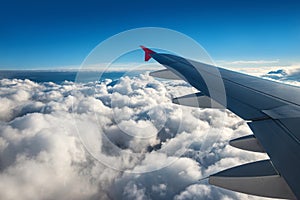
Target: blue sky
pixel 51 34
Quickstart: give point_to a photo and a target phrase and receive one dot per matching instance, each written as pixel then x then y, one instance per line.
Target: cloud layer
pixel 113 141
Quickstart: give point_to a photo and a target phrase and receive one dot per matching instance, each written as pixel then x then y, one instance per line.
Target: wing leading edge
pixel 273 110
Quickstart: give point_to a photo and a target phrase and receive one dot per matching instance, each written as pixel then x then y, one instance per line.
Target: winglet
pixel 148 52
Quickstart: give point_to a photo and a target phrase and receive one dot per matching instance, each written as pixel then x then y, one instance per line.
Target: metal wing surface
pixel 272 111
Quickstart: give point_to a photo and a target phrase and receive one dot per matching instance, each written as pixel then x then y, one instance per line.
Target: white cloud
pixel 249 63
pixel 238 62
pixel 132 128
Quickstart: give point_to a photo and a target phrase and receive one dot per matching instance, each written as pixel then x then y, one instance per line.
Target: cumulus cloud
pixel 113 141
pixel 287 75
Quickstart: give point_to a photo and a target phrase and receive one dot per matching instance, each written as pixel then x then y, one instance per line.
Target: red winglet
pixel 148 52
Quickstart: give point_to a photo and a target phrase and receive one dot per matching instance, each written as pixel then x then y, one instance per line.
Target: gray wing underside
pixel 272 110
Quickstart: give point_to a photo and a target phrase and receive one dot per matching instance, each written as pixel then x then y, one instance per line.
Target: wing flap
pixel 282 147
pixel 198 100
pixel 248 143
pixel 258 178
pixel 165 74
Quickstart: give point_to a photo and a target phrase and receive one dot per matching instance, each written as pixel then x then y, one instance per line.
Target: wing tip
pixel 148 52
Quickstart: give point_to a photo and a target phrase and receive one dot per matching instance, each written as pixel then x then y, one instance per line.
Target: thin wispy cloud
pixel 126 66
pixel 247 62
pixel 238 62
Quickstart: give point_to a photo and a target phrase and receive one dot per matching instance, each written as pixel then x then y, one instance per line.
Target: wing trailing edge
pixel 248 143
pixel 198 100
pixel 165 74
pixel 257 178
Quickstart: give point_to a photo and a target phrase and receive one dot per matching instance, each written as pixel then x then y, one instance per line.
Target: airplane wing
pixel 272 111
